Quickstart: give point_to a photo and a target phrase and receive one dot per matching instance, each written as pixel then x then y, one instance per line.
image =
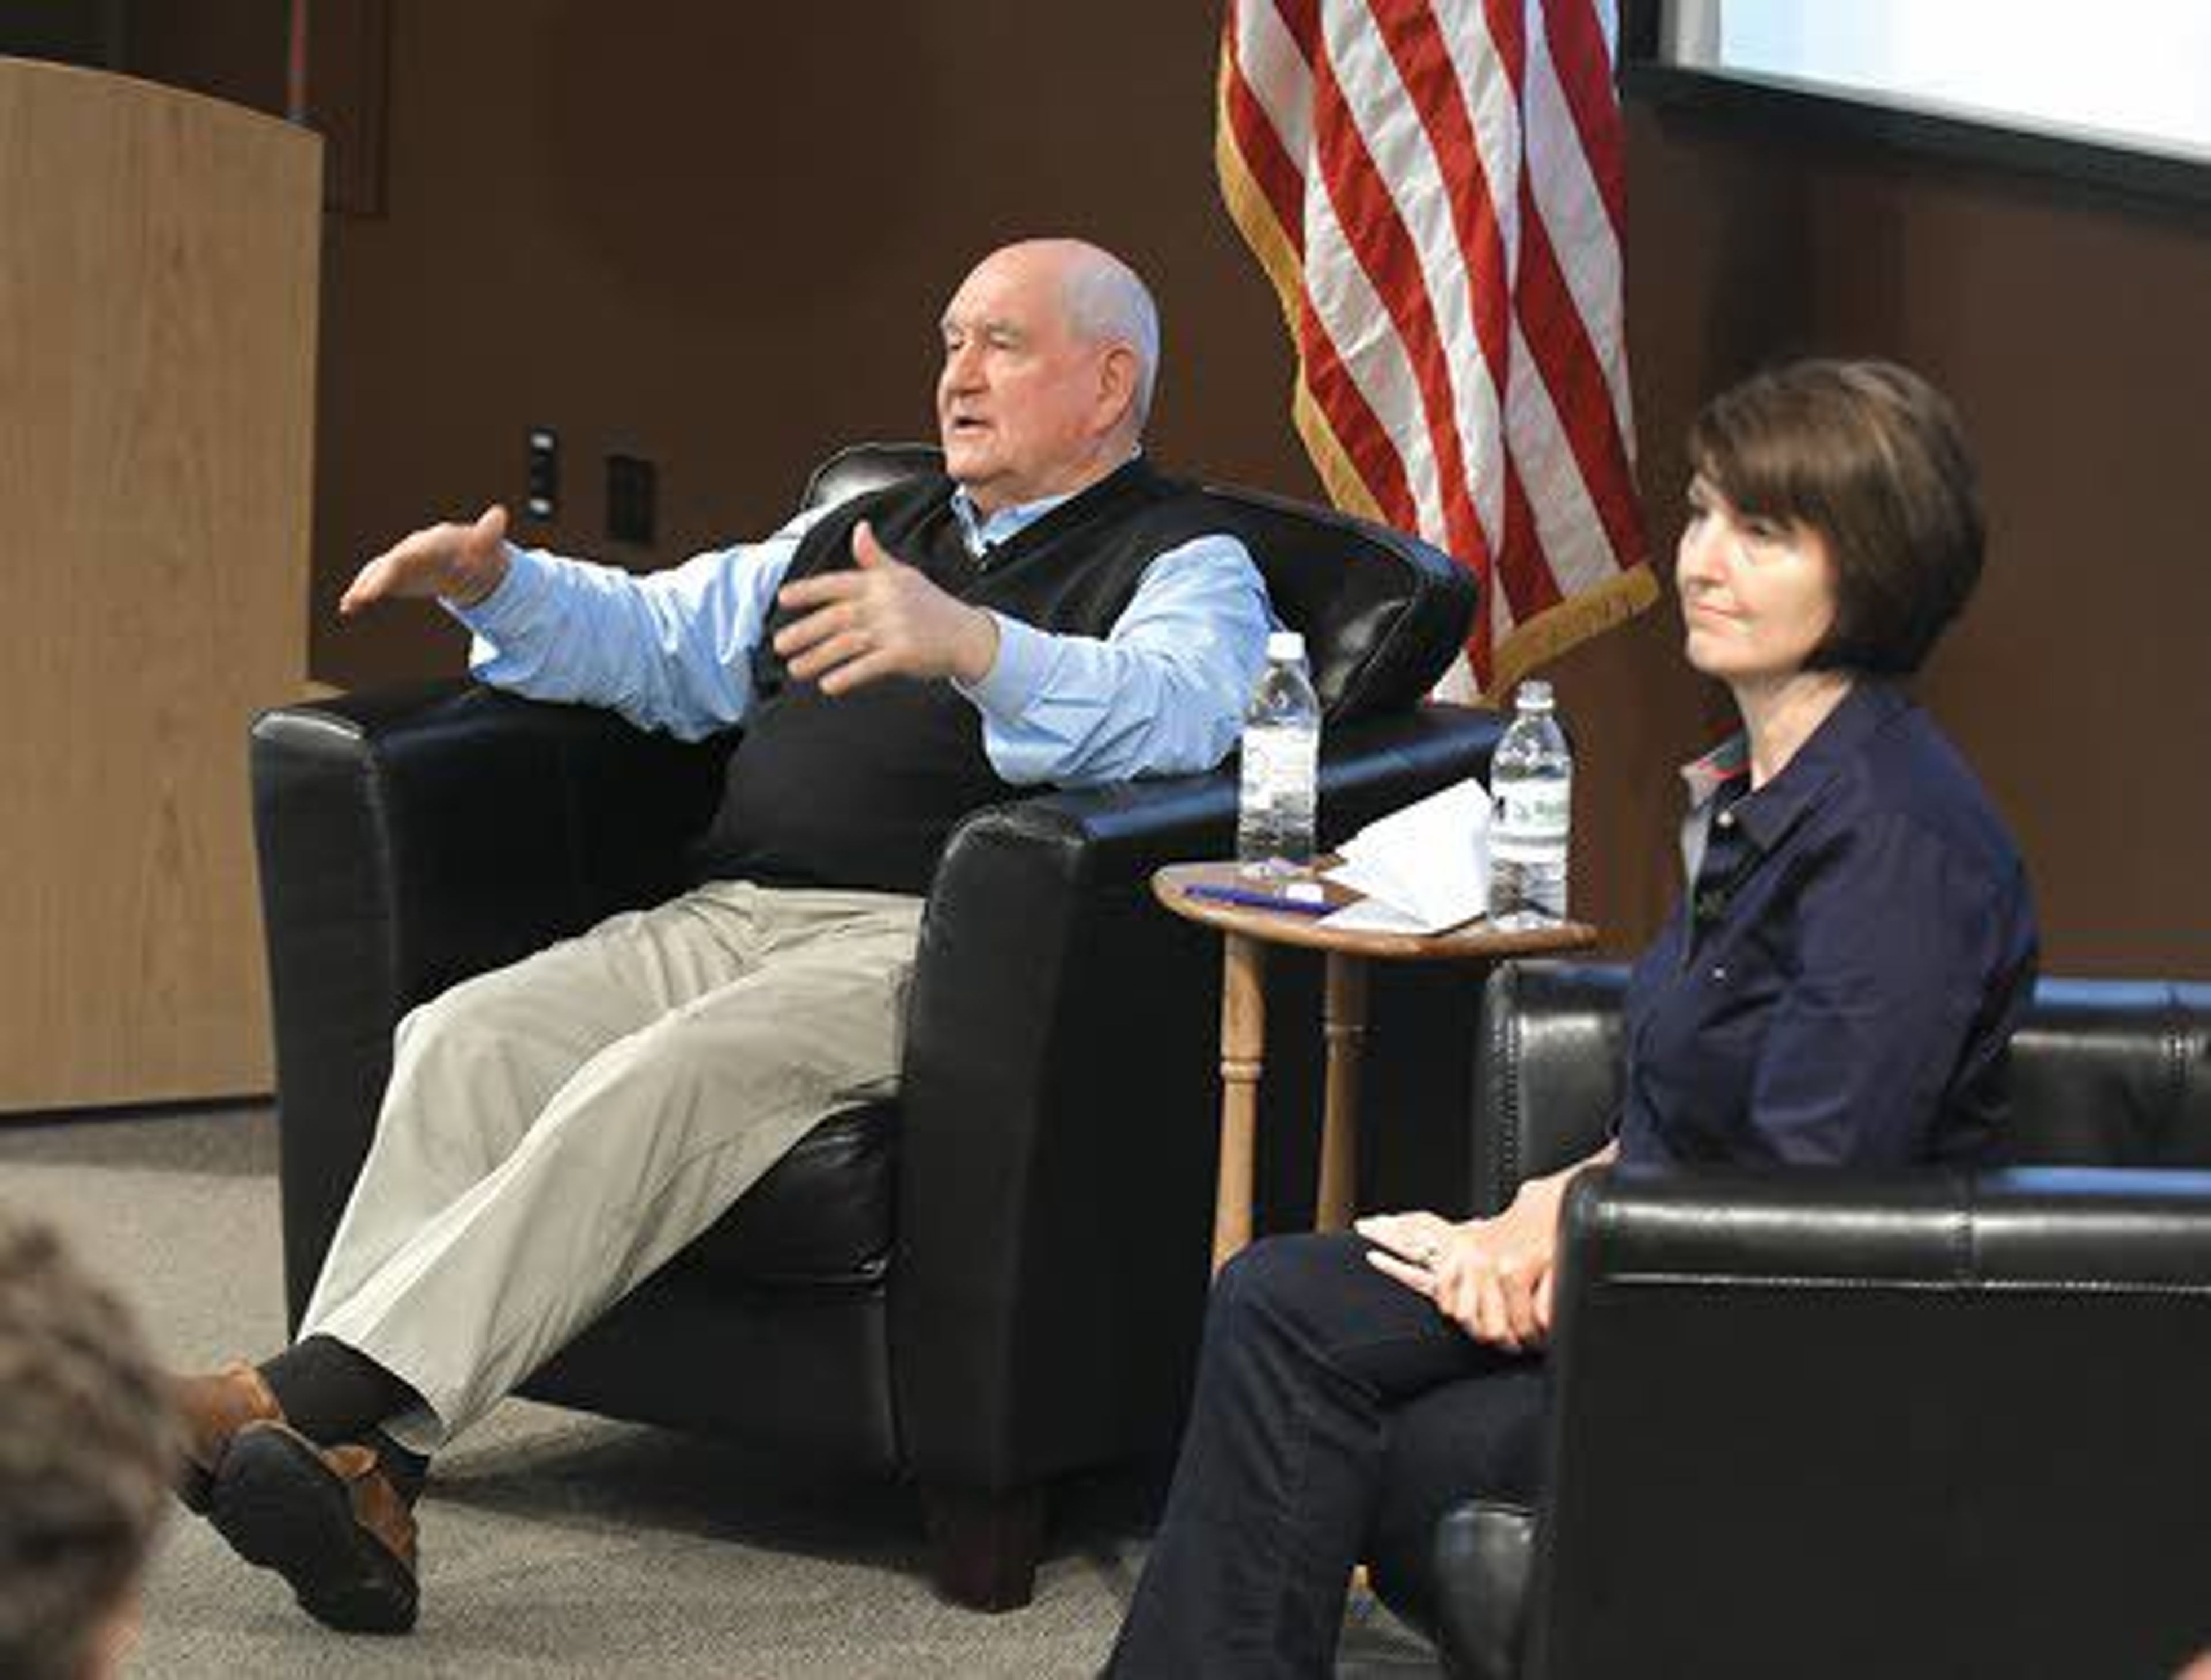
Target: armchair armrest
pixel 2096 1228
pixel 1836 1391
pixel 409 838
pixel 1060 1111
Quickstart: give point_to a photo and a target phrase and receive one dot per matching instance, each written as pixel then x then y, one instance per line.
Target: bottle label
pixel 1530 821
pixel 1279 763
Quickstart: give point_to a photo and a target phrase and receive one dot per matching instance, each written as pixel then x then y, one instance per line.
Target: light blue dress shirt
pixel 1161 693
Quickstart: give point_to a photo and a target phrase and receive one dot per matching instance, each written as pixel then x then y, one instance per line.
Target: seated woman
pixel 1837 989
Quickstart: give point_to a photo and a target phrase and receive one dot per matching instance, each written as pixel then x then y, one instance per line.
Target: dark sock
pixel 332 1393
pixel 405 1470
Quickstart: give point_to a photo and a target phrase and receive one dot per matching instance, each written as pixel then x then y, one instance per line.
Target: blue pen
pixel 1255 898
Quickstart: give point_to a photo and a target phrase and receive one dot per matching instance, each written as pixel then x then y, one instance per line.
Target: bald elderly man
pixel 1050 610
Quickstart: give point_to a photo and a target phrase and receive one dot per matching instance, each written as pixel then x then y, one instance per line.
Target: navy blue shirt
pixel 1840 984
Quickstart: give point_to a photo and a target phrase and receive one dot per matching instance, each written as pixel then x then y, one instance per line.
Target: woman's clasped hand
pixel 1493 1278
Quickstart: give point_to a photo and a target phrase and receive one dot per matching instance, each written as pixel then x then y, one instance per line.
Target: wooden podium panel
pixel 158 255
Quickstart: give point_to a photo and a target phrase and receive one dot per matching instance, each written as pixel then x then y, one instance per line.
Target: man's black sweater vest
pixel 863 789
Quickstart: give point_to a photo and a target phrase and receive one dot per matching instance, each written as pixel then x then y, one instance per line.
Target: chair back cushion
pixel 859 468
pixel 2105 1073
pixel 1383 614
pixel 2113 1073
pixel 1546 1072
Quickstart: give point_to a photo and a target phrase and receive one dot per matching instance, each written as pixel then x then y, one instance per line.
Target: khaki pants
pixel 555 1131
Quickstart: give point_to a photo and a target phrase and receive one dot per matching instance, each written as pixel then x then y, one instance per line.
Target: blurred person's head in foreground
pixel 87 1448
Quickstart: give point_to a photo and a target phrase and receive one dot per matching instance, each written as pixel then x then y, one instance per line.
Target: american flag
pixel 1436 189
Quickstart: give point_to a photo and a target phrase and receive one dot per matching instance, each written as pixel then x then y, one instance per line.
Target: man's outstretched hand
pixel 455 562
pixel 883 618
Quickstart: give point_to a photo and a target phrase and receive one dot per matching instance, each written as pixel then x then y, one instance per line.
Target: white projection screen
pixel 2132 75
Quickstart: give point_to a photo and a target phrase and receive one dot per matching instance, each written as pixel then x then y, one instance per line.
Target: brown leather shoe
pixel 325 1518
pixel 215 1408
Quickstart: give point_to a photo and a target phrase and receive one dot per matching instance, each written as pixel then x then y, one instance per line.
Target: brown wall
pixel 234 51
pixel 718 237
pixel 724 247
pixel 2070 329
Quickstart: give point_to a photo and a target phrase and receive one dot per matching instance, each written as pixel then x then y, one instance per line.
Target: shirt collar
pixel 982 532
pixel 1770 813
pixel 1705 777
pixel 1725 768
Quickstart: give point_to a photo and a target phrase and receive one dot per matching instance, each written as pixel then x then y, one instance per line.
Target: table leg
pixel 1344 1021
pixel 1242 1051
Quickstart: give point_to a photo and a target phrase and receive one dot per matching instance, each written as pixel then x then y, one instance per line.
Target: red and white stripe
pixel 1435 187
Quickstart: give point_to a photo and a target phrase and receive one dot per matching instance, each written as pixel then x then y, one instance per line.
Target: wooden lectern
pixel 157 341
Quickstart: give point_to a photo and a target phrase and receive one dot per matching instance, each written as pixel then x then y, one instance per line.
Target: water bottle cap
pixel 1533 695
pixel 1284 645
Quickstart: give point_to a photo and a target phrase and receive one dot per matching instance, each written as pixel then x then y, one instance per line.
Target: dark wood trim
pixel 1639 30
pixel 346 60
pixel 2144 179
pixel 984 1547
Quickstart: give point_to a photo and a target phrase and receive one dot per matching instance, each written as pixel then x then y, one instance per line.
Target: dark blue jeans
pixel 1321 1383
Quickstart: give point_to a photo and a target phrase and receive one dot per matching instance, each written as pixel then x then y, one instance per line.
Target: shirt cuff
pixel 514 603
pixel 1015 675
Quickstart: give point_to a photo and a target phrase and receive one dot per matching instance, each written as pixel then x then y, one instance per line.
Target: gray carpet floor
pixel 553 1543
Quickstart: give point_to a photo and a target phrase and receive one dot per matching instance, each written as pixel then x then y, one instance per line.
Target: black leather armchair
pixel 1950 1424
pixel 998 1280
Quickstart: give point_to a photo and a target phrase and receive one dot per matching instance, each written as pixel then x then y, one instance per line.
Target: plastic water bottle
pixel 1531 791
pixel 1280 791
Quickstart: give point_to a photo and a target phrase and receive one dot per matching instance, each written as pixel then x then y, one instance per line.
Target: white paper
pixel 1420 869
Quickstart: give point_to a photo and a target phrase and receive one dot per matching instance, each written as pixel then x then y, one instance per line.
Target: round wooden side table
pixel 1246 932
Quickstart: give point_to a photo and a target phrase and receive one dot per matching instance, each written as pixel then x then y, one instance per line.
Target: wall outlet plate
pixel 542 474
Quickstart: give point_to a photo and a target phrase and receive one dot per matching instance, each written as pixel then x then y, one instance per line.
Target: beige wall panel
pixel 158 255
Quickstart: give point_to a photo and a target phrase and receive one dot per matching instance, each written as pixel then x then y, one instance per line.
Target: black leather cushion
pixel 1547 1071
pixel 1383 612
pixel 2113 1073
pixel 859 468
pixel 823 1214
pixel 1486 1540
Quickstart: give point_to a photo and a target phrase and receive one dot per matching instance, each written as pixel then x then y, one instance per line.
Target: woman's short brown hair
pixel 1870 456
